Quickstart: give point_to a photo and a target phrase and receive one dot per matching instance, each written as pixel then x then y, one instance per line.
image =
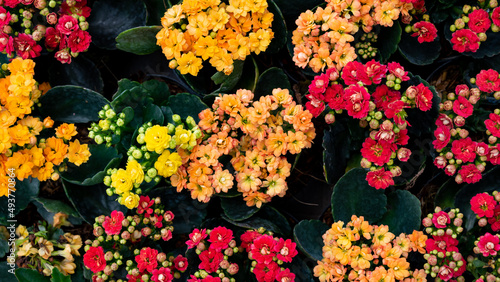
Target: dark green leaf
pixel 153 113
pixel 200 84
pixel 422 123
pixel 91 201
pixel 228 82
pixel 403 215
pixel 157 90
pixel 125 84
pixel 308 235
pixel 388 40
pixel 270 79
pixel 54 206
pixel 301 270
pixel 278 27
pixel 291 9
pixel 250 75
pixel 236 209
pixel 30 275
pixel 270 213
pixel 445 197
pixel 336 143
pixel 135 97
pixel 81 72
pixel 26 190
pixel 4 247
pixel 93 171
pixel 138 40
pixel 353 196
pixel 254 223
pixel 156 9
pixel 109 18
pixel 185 104
pixel 57 276
pixel 419 53
pixel 72 104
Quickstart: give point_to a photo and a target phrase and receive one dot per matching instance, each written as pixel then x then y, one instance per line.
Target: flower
pixel 493 124
pixel 465 40
pixel 146 260
pixel 26 47
pixel 495 16
pixel 262 249
pixel 157 138
pixel 443 135
pixel 357 101
pixel 67 24
pixel 440 219
pixel 78 153
pixel 380 178
pixel 425 31
pixel 462 107
pixel 162 274
pixel 79 41
pixel 285 250
pixel 376 151
pixel 488 80
pixel 113 225
pixel 196 237
pixel 423 98
pixel 470 173
pixel 220 238
pixel 94 259
pixel 483 204
pixel 210 260
pixel 464 149
pixel 488 244
pixel 479 21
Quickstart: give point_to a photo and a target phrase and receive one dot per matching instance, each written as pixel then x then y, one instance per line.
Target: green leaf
pixel 135 97
pixel 336 143
pixel 308 235
pixel 109 18
pixel 302 272
pixel 185 104
pixel 228 82
pixel 125 84
pixel 270 213
pixel 202 83
pixel 138 40
pixel 254 223
pixel 270 79
pixel 250 75
pixel 91 201
pixel 353 196
pixel 388 40
pixel 236 209
pixel 157 90
pixel 26 190
pixel 52 207
pixel 291 9
pixel 422 123
pixel 279 28
pixel 153 113
pixel 419 53
pixel 445 197
pixel 156 9
pixel 93 171
pixel 4 246
pixel 403 215
pixel 72 104
pixel 57 276
pixel 30 275
pixel 81 72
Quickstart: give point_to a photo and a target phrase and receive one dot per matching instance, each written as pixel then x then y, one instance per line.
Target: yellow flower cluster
pixel 363 252
pixel 21 152
pixel 196 31
pixel 35 249
pixel 322 38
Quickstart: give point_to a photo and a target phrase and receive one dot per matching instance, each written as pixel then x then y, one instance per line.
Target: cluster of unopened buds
pixel 371 93
pixel 60 25
pixel 363 252
pixel 366 46
pixel 444 259
pixel 110 124
pixel 117 232
pixel 459 154
pixel 469 30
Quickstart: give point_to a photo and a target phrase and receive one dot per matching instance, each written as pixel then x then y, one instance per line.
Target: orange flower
pixel 179 179
pixel 399 267
pixel 276 142
pixel 21 162
pixel 200 191
pixel 33 124
pixel 207 154
pixel 256 199
pixel 20 134
pixel 5 140
pixel 248 180
pixel 254 160
pixel 380 274
pixel 222 180
pixel 66 131
pixel 44 172
pixel 77 153
pixel 6 119
pixel 363 227
pixel 417 241
pixel 55 150
pixel 222 142
pixel 229 104
pixel 381 235
pixel 207 120
pixel 275 185
pixel 198 172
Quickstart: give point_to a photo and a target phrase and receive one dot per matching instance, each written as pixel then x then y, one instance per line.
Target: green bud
pixel 98 139
pixel 120 122
pixel 110 113
pixel 137 154
pixel 397 86
pixel 107 180
pixel 147 155
pixel 176 118
pixel 52 3
pixel 152 172
pixel 140 138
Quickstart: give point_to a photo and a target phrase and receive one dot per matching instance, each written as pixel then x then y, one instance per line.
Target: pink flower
pixel 445 273
pixel 495 16
pixel 442 244
pixel 489 244
pixel 465 40
pixel 180 263
pixel 53 38
pixel 479 21
pixel 440 162
pixel 440 219
pixel 444 120
pixel 423 98
pixel 357 101
pixel 26 47
pixel 94 259
pixel 145 204
pixel 494 154
pixel 285 250
pixel 319 84
pixel 146 260
pixel 374 71
pixel 494 221
pixel 470 173
pixel 6 43
pixel 162 275
pixel 379 179
pixel 67 24
pixel 63 56
pixel 334 96
pixel 315 106
pixel 398 71
pixel 493 124
pixel 79 41
pixel 403 154
pixel 220 238
pixel 443 136
pixel 483 204
pixel 79 9
pixel 426 31
pixel 196 237
pixel 395 111
pixel 5 17
pixel 262 249
pixel 488 81
pixel 11 3
pixel 464 149
pixel 113 225
pixel 463 107
pixel 333 74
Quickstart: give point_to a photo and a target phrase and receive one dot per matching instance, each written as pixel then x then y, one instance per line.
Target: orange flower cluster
pixel 256 135
pixel 21 152
pixel 363 252
pixel 322 38
pixel 196 31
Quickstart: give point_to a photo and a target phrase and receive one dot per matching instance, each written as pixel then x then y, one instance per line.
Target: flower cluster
pixel 444 259
pixel 371 93
pixel 110 124
pixel 459 154
pixel 157 155
pixel 196 31
pixel 21 150
pixel 363 252
pixel 425 31
pixel 44 247
pixel 118 235
pixel 256 135
pixel 216 248
pixel 60 25
pixel 323 38
pixel 470 29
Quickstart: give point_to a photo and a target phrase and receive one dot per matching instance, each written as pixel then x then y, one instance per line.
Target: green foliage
pixel 388 40
pixel 57 276
pixel 235 210
pixel 185 104
pixel 30 275
pixel 270 79
pixel 308 236
pixel 138 40
pixel 488 48
pixel 49 207
pixel 419 53
pixel 278 27
pixel 291 9
pixel 403 214
pixel 336 153
pixel 156 9
pixel 81 72
pixel 228 82
pixel 26 190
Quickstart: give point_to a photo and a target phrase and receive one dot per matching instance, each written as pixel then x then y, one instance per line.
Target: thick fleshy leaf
pixel 51 207
pixel 353 196
pixel 93 171
pixel 157 90
pixel 91 201
pixel 72 104
pixel 419 53
pixel 270 79
pixel 388 40
pixel 26 190
pixel 308 236
pixel 156 9
pixel 81 72
pixel 336 144
pixel 30 275
pixel 139 40
pixel 301 270
pixel 268 212
pixel 255 223
pixel 250 75
pixel 109 18
pixel 279 28
pixel 185 104
pixel 445 197
pixel 236 209
pixel 57 276
pixel 202 83
pixel 228 82
pixel 4 246
pixel 404 212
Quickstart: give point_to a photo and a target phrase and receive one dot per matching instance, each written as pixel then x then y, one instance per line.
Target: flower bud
pixel 432 260
pixel 448 105
pixel 404 154
pixel 396 171
pixel 365 163
pixel 459 121
pixel 482 222
pixel 330 118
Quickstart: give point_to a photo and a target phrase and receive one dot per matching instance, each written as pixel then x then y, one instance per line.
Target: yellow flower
pixel 130 200
pixel 66 267
pixel 121 181
pixel 22 231
pixel 66 131
pixel 135 171
pixel 172 15
pixel 20 65
pixel 189 63
pixel 26 249
pixel 168 163
pixel 46 248
pixel 184 138
pixel 157 138
pixel 75 242
pixel 4 140
pixel 77 153
pixel 55 150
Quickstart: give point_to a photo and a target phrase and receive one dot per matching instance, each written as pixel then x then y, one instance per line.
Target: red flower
pixel 426 31
pixel 146 260
pixel 378 152
pixel 488 81
pixel 67 24
pixel 94 259
pixel 53 38
pixel 402 137
pixel 462 90
pixel 79 41
pixel 196 237
pixel 395 111
pixel 247 239
pixel 489 244
pixel 494 154
pixel 379 179
pixel 483 204
pixel 79 9
pixel 465 40
pixel 440 162
pixel 423 98
pixel 441 219
pixel 403 154
pixel 482 149
pixel 445 272
pixel 266 272
pixel 495 16
pixel 479 21
pixel 398 71
pixel 220 238
pixel 162 275
pixel 285 250
pixel 444 120
pixel 333 74
pixel 285 275
pixel 442 244
pixel 494 221
pixel 493 124
pixel 334 96
pixel 383 96
pixel 210 278
pixel 6 43
pixel 353 72
pixel 180 263
pixel 443 135
pixel 145 204
pixel 463 107
pixel 319 85
pixel 210 260
pixel 262 249
pixel 357 101
pixel 5 17
pixel 374 71
pixel 470 173
pixel 464 149
pixel 63 56
pixel 113 225
pixel 315 107
pixel 11 3
pixel 26 47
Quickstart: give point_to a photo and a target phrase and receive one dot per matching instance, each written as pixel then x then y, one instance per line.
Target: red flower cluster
pixel 64 31
pixel 370 92
pixel 487 208
pixel 459 154
pixel 154 265
pixel 424 31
